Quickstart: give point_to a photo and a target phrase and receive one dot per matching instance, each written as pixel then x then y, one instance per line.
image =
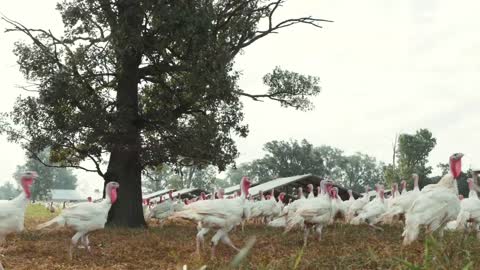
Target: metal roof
pixel 67 195
pixel 279 182
pixel 231 189
pixel 156 194
pixel 185 193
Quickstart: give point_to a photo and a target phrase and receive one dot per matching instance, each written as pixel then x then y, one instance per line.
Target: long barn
pixel 289 185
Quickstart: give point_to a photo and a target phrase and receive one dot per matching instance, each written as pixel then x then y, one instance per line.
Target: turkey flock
pixel 436 207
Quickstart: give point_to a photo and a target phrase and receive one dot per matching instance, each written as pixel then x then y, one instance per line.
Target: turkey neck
pixel 21 200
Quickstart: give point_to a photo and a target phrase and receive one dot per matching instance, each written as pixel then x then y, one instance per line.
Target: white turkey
pixel 300 193
pixel 222 215
pixel 399 207
pixel 292 207
pixel 178 203
pixel 437 204
pixel 146 209
pixel 469 210
pixel 357 205
pixel 85 217
pixel 350 200
pixel 453 224
pixel 338 207
pixel 403 184
pixel 163 210
pixel 281 221
pixel 12 212
pixel 372 211
pixel 394 194
pixel 267 209
pixel 314 213
pixel 288 209
pixel 310 195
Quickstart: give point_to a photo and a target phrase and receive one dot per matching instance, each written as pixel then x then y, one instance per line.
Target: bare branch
pixel 36 157
pixel 25 88
pixel 91 40
pixel 151 70
pixel 147 173
pixel 85 152
pixel 269 96
pixel 286 23
pixel 270 10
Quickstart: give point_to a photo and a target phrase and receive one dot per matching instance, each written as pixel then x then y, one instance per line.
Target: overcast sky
pixel 385 67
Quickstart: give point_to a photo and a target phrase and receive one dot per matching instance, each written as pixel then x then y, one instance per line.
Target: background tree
pixel 155 179
pixel 333 159
pixel 166 177
pixel 235 173
pixel 8 191
pixel 289 158
pixel 413 151
pixel 192 177
pixel 48 177
pixel 412 155
pixel 282 159
pixel 64 178
pixel 41 188
pixel 285 159
pixel 144 83
pixel 359 170
pixel 391 174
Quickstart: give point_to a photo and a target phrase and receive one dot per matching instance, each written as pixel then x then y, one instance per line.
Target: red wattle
pixel 113 195
pixel 456 168
pixel 26 183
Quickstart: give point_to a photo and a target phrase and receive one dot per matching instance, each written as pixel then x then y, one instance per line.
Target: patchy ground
pixel 170 247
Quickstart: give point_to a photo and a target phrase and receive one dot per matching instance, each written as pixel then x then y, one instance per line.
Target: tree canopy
pixel 138 84
pixel 412 151
pixel 289 158
pixel 8 191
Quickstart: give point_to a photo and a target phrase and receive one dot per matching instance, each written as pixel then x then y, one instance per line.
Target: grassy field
pixel 170 247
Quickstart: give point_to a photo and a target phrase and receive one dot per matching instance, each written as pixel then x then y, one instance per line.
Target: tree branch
pixel 106 6
pixel 25 88
pixel 269 96
pixel 286 23
pixel 85 152
pixel 146 172
pixel 91 40
pixel 56 41
pixel 36 157
pixel 270 10
pixel 151 70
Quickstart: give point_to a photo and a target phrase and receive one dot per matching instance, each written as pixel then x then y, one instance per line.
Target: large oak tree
pixel 140 83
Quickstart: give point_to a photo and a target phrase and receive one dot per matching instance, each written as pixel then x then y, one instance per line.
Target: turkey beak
pixel 457 156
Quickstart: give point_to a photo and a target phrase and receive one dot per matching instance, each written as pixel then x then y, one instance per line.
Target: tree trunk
pixel 124 168
pixel 124 164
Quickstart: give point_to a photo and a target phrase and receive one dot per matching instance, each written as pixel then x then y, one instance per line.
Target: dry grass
pixel 170 247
